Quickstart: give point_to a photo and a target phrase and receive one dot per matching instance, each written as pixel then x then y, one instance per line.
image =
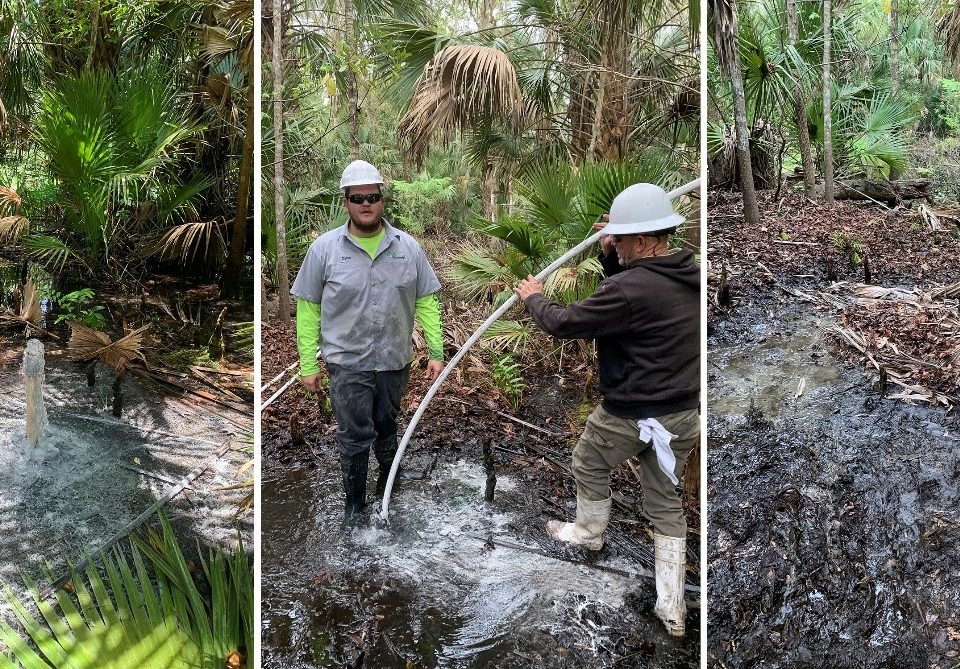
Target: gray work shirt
pixel 366 306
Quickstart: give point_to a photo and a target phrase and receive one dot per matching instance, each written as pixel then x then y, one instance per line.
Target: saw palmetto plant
pixel 144 609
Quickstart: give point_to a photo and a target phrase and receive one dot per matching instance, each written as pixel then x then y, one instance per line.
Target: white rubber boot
pixel 670 555
pixel 587 530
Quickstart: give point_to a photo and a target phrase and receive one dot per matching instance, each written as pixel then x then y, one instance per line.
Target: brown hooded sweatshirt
pixel 646 320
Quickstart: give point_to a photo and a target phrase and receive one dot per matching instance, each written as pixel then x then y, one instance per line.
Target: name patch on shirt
pixel 396 255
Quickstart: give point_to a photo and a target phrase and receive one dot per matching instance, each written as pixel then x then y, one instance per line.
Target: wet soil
pixel 834 533
pixel 454 581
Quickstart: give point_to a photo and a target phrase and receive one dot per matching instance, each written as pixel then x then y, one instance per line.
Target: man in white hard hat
pixel 361 285
pixel 645 317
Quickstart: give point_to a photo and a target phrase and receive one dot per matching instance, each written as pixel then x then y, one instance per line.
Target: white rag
pixel 651 428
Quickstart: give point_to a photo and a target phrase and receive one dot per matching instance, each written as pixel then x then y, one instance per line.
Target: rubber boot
pixel 670 556
pixel 386 451
pixel 587 530
pixel 354 471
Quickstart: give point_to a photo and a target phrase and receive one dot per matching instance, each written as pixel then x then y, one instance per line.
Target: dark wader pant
pixel 366 405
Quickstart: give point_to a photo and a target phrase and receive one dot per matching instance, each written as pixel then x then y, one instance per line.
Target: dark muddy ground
pixel 834 533
pixel 440 587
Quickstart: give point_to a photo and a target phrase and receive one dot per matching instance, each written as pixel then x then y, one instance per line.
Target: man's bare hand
pixel 311 383
pixel 434 367
pixel 527 287
pixel 606 242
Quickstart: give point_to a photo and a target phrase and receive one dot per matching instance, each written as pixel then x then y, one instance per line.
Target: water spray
pixel 495 316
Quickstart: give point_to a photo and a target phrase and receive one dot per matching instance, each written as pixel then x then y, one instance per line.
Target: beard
pixel 367 228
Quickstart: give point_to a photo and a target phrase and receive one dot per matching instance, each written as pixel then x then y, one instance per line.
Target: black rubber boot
pixel 354 471
pixel 385 451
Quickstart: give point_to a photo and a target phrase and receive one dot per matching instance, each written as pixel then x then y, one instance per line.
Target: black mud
pixel 834 535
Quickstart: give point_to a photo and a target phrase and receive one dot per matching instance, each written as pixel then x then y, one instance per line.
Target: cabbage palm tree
pixel 723 29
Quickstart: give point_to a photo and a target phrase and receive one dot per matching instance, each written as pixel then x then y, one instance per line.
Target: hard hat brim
pixel 641 227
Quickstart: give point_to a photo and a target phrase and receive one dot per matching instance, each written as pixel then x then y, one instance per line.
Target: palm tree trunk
pixel 894 47
pixel 233 273
pixel 800 109
pixel 725 41
pixel 352 93
pixel 827 120
pixel 283 277
pixel 894 60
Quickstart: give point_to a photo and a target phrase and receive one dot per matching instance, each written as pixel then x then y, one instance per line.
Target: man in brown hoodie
pixel 645 318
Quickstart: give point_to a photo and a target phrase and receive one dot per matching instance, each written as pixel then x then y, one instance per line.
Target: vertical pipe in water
pixel 36 412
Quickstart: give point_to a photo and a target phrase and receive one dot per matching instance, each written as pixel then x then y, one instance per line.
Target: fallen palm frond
pixel 13 227
pixel 30 313
pixel 912 337
pixel 89 344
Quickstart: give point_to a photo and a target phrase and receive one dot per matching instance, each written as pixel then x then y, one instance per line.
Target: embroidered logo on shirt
pixel 345 258
pixel 396 255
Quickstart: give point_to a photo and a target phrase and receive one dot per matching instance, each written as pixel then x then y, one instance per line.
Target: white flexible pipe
pixel 556 264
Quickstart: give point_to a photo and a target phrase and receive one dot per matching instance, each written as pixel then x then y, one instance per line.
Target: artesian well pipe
pixel 556 264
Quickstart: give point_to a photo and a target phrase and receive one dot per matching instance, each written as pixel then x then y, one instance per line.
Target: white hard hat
pixel 641 208
pixel 360 173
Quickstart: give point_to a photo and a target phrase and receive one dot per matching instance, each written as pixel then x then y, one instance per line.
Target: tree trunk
pixel 283 277
pixel 894 47
pixel 890 192
pixel 751 212
pixel 894 60
pixel 352 93
pixel 800 109
pixel 233 273
pixel 487 184
pixel 827 113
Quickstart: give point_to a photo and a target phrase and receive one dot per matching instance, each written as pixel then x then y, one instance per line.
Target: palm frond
pixel 141 626
pixel 478 273
pixel 188 241
pixel 13 227
pixel 51 252
pixel 89 344
pixel 517 232
pixel 507 336
pixel 10 198
pixel 461 85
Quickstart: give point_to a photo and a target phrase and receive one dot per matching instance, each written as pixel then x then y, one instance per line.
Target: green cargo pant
pixel 607 441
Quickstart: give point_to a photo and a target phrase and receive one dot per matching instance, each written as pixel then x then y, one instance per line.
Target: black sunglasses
pixel 372 198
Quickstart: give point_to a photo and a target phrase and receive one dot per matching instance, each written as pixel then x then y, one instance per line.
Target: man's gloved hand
pixel 311 383
pixel 434 367
pixel 606 242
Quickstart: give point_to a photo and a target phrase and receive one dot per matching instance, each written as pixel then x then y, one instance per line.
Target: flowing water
pixel 93 474
pixel 434 589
